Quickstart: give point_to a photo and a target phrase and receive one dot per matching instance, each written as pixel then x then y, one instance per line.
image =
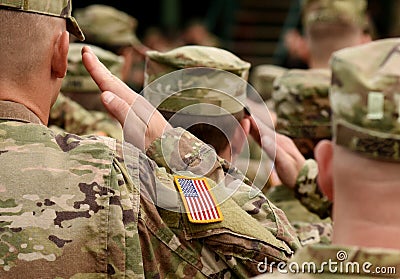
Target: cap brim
pixel 74 29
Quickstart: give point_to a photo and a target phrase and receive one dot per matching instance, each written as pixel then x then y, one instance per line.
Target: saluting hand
pixel 141 121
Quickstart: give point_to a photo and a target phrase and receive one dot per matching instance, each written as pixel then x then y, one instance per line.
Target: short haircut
pixel 327 37
pixel 24 42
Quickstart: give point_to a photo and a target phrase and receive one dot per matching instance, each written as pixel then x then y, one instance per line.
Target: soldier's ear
pixel 324 156
pixel 59 60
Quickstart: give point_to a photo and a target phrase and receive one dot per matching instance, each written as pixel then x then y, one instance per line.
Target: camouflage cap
pixel 78 79
pixel 222 85
pixel 106 25
pixel 57 8
pixel 346 11
pixel 365 98
pixel 302 106
pixel 262 79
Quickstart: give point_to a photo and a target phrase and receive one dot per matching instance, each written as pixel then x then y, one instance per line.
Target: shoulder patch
pixel 198 200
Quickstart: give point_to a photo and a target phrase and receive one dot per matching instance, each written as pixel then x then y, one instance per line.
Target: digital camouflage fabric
pixel 106 25
pixel 365 113
pixel 262 78
pixel 222 85
pixel 66 115
pixel 57 8
pixel 63 198
pixel 75 207
pixel 301 99
pixel 308 192
pixel 365 99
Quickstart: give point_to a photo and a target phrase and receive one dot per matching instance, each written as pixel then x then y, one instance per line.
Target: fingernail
pixel 108 97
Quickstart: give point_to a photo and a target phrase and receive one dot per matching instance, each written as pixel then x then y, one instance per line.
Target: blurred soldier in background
pixel 78 108
pixel 262 79
pixel 226 130
pixel 327 26
pixel 302 107
pixel 301 99
pixel 359 169
pixel 115 30
pixel 332 25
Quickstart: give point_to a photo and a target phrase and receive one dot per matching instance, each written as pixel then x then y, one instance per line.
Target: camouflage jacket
pixel 78 207
pixel 309 227
pixel 308 192
pixel 338 262
pixel 67 115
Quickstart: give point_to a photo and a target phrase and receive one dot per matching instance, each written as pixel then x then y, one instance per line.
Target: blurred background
pixel 252 29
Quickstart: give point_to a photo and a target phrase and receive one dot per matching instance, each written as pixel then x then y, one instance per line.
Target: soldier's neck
pixel 368 222
pixel 37 98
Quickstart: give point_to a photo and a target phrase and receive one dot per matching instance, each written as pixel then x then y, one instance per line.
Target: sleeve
pixel 179 150
pixel 308 192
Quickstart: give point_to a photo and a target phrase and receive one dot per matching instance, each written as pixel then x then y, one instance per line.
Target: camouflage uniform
pixel 82 114
pixel 315 13
pixel 115 30
pixel 75 207
pixel 162 64
pixel 303 111
pixel 262 79
pixel 365 119
pixel 91 196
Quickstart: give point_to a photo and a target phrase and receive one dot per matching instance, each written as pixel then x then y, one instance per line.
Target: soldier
pixel 226 130
pixel 359 168
pixel 330 25
pixel 77 206
pixel 115 30
pixel 301 99
pixel 262 79
pixel 78 109
pixel 302 107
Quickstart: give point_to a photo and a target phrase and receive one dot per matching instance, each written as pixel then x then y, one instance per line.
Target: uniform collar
pixel 15 111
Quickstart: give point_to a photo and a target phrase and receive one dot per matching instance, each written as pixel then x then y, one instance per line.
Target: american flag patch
pixel 198 200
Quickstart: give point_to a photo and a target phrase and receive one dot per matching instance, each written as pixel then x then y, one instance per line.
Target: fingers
pixel 116 106
pixel 103 77
pixel 135 129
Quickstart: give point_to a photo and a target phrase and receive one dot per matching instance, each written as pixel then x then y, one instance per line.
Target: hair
pixel 325 38
pixel 214 130
pixel 25 39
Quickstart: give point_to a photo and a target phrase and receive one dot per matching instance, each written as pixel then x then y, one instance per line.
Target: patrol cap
pixel 196 75
pixel 334 11
pixel 78 79
pixel 365 98
pixel 56 8
pixel 106 25
pixel 301 99
pixel 262 79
